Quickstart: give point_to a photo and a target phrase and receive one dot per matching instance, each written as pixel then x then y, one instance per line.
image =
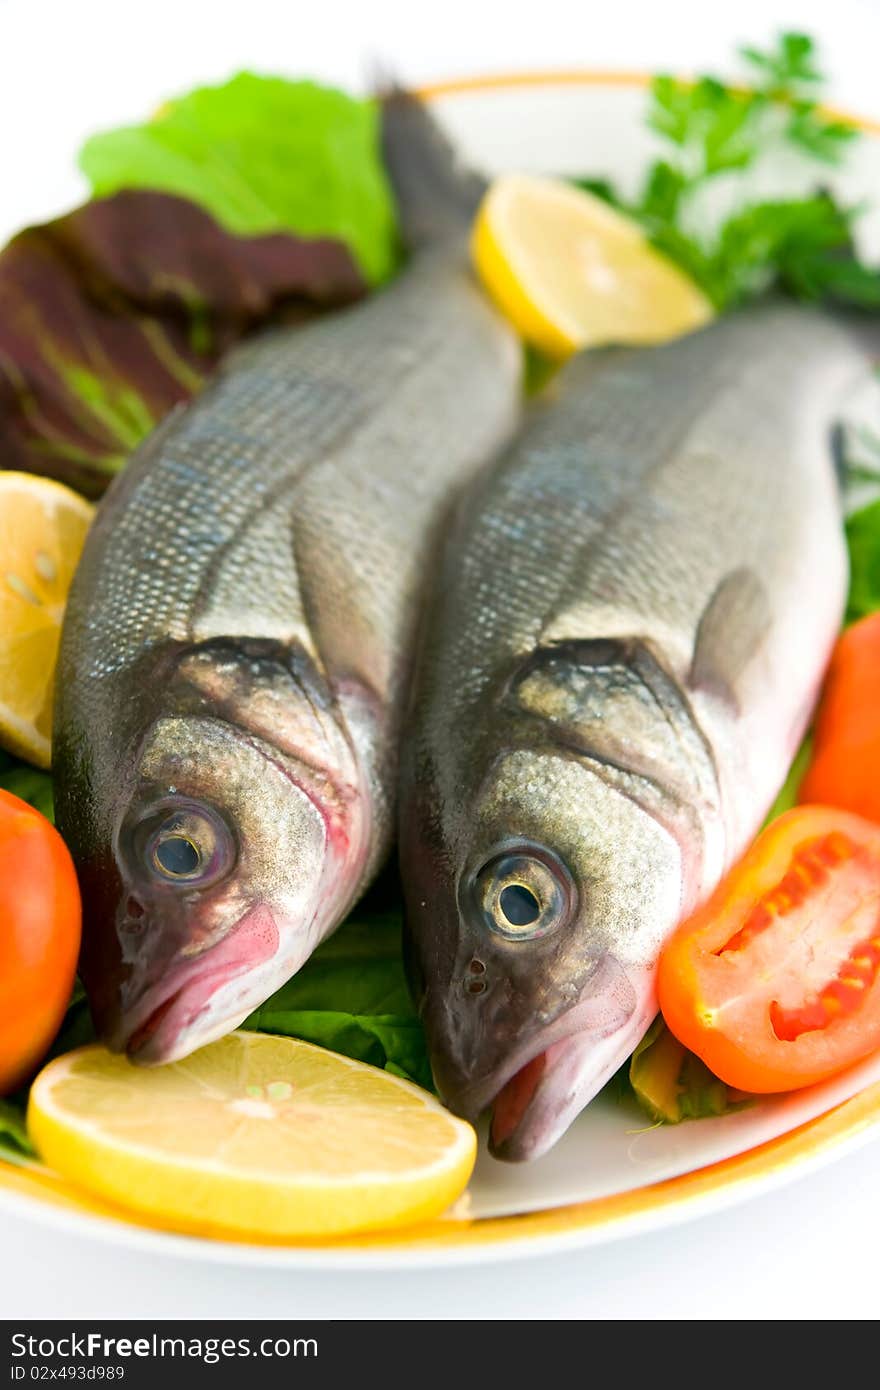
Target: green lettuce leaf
pixel 352 997
pixel 77 1029
pixel 113 314
pixel 788 793
pixel 28 783
pixel 262 154
pixel 14 1141
pixel 863 537
pixel 672 1084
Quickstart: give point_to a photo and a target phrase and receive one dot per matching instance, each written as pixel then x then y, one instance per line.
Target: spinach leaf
pixel 352 997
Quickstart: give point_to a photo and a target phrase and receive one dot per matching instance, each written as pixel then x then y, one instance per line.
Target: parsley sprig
pixel 803 245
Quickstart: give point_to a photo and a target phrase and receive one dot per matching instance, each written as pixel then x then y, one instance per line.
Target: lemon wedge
pixel 570 272
pixel 254 1135
pixel 43 527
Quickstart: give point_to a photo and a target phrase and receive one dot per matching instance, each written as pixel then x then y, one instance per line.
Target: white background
pixel 69 68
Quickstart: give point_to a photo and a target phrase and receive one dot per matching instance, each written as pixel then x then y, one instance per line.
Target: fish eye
pixel 176 856
pixel 183 843
pixel 519 905
pixel 524 893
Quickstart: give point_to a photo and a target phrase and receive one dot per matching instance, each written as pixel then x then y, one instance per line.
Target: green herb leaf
pixel 672 109
pixel 262 154
pixel 665 187
pixel 714 127
pixel 802 246
pixel 838 279
pixel 694 258
pixel 787 68
pixel 787 243
pixel 826 140
pixel 604 189
pixel 731 138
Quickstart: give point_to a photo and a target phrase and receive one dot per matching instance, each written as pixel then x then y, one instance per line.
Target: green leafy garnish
pixel 352 997
pixel 788 792
pixel 76 1029
pixel 672 1084
pixel 28 783
pixel 859 448
pixel 863 537
pixel 787 69
pixel 113 314
pixel 14 1141
pixel 713 128
pixel 803 245
pixel 262 154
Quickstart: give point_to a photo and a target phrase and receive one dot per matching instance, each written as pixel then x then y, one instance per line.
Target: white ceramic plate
pixel 612 1174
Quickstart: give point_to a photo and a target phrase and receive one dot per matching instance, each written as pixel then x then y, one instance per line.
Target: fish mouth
pixel 539 1088
pixel 535 1107
pixel 196 1000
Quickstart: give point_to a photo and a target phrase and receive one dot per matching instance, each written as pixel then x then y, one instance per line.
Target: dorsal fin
pixel 436 195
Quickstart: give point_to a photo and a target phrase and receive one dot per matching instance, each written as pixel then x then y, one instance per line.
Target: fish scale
pixel 635 610
pixel 239 635
pixel 189 501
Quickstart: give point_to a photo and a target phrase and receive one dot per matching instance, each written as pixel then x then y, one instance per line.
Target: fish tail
pixel 436 195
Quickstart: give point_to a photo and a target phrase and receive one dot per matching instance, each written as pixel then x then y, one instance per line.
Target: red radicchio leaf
pixel 111 315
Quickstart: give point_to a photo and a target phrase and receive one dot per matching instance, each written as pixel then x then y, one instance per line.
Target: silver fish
pixel 237 644
pixel 635 610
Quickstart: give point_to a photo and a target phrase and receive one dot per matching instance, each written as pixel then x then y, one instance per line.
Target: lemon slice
pixel 253 1135
pixel 43 528
pixel 570 272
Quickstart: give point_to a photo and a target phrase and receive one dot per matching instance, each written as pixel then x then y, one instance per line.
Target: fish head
pixel 225 860
pixel 536 925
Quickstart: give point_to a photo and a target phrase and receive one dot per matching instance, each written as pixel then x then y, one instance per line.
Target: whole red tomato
pixel 40 922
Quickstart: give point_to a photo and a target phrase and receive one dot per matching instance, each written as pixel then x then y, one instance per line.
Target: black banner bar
pixel 129 1355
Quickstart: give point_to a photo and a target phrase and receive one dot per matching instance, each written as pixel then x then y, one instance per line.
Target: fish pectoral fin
pixel 732 629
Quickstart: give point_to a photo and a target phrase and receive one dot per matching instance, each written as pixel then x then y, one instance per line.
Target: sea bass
pixel 632 620
pixel 237 644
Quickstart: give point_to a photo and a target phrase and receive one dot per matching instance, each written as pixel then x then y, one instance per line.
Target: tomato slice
pixel 845 766
pixel 775 981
